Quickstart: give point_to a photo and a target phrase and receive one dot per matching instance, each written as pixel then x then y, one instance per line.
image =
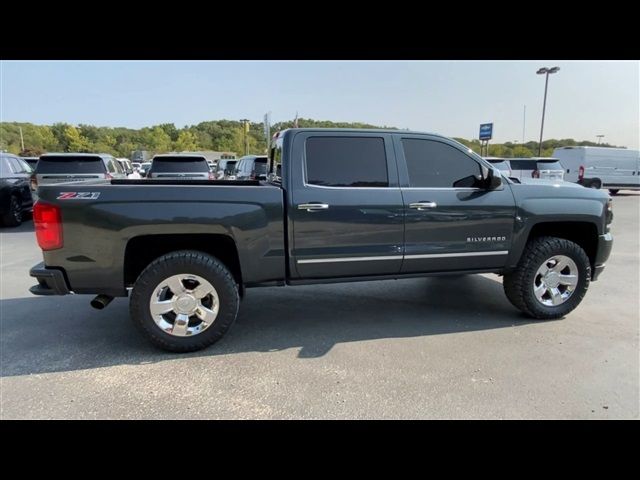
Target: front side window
pixel 15 165
pixel 433 164
pixel 346 162
pixel 5 170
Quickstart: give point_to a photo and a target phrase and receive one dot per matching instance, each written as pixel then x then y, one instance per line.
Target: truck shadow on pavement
pixel 58 334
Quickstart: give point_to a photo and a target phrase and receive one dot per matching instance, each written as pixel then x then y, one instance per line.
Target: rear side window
pixel 502 165
pixel 346 162
pixel 69 164
pixel 433 164
pixel 230 168
pixel 179 165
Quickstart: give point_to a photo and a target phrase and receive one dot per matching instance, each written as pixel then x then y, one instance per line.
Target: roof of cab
pixel 67 154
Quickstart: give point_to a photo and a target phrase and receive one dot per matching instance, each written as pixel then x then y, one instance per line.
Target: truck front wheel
pixel 550 280
pixel 184 301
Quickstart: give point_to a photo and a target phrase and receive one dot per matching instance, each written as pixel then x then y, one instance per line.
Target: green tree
pixel 186 142
pixel 76 142
pixel 159 140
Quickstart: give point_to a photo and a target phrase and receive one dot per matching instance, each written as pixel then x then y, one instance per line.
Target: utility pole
pixel 600 137
pixel 245 130
pixel 545 71
pixel 524 121
pixel 267 129
pixel 21 139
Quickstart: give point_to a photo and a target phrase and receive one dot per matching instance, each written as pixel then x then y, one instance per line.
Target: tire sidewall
pixel 584 274
pixel 196 263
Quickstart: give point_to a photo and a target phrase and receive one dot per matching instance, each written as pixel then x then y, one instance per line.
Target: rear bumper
pixel 50 281
pixel 605 243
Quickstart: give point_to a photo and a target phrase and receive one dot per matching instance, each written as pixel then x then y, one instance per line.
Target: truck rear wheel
pixel 551 279
pixel 614 191
pixel 184 301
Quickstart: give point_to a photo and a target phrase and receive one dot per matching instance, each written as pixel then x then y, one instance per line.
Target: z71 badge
pixel 78 195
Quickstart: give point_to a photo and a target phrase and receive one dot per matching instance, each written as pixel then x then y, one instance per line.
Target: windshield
pixel 261 167
pixel 179 164
pixel 69 164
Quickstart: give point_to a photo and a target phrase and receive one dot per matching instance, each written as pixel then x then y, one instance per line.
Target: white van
pixel 601 167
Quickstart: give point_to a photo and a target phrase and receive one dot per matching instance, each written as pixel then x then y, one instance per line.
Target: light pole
pixel 545 71
pixel 600 137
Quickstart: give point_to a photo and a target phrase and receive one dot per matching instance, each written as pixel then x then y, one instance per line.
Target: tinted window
pixel 179 164
pixel 549 165
pixel 111 166
pixel 260 167
pixel 70 164
pixel 26 168
pixel 346 162
pixel 5 171
pixel 230 168
pixel 527 165
pixel 438 165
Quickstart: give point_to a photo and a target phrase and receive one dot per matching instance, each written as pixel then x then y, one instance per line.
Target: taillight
pixel 34 183
pixel 252 176
pixel 108 176
pixel 211 176
pixel 535 174
pixel 48 225
pixel 581 173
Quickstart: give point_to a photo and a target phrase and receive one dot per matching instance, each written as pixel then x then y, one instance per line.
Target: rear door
pixel 347 212
pixel 451 221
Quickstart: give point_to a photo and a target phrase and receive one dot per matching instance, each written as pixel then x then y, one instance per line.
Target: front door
pixel 451 221
pixel 347 212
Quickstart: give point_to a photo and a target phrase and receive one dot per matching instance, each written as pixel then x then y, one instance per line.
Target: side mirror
pixel 493 179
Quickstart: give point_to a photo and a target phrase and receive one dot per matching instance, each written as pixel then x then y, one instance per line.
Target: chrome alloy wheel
pixel 555 281
pixel 184 305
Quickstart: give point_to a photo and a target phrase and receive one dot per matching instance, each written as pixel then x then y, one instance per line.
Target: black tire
pixel 13 217
pixel 518 284
pixel 174 263
pixel 614 191
pixel 597 184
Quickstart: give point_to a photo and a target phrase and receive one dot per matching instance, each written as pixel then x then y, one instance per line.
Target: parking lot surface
pixel 418 348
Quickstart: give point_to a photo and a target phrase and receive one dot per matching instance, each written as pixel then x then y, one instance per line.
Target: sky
pixel 452 98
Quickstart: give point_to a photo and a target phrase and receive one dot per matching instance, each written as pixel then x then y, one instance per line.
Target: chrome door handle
pixel 312 207
pixel 423 205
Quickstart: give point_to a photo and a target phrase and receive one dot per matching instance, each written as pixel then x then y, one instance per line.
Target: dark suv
pixel 251 167
pixel 182 167
pixel 15 192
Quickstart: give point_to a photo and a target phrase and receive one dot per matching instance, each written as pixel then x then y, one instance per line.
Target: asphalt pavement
pixel 415 348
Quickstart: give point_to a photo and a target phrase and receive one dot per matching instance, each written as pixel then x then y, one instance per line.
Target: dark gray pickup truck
pixel 337 206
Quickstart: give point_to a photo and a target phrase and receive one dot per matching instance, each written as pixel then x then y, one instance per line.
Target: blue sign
pixel 486 131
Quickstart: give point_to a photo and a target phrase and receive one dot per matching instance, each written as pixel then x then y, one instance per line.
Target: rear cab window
pixel 526 165
pixel 59 164
pixel 353 162
pixel 182 164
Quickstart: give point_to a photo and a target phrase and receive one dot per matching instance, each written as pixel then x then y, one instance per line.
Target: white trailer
pixel 601 167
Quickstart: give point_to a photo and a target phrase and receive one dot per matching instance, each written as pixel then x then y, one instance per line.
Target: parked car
pixel 126 165
pixel 225 170
pixel 501 164
pixel 75 167
pixel 601 167
pixel 144 168
pixel 251 167
pixel 536 167
pixel 180 166
pixel 31 161
pixel 348 205
pixel 136 166
pixel 212 165
pixel 15 189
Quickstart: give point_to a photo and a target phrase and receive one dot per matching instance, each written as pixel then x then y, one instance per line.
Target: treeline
pixel 218 135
